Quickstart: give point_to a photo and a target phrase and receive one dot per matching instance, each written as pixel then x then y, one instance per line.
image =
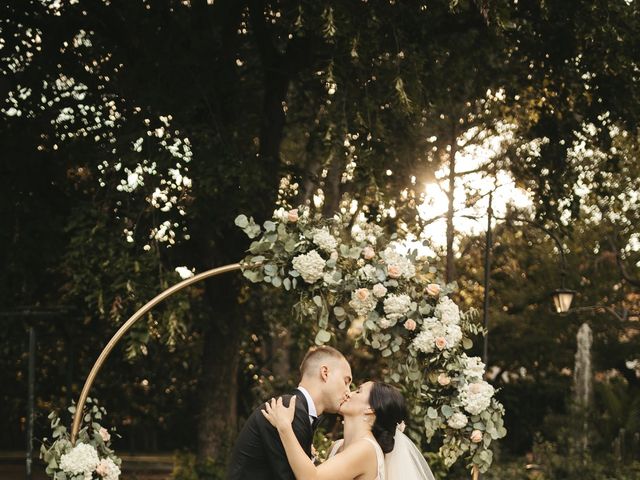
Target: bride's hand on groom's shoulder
pixel 278 415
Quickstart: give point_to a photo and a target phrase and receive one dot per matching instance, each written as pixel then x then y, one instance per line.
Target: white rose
pixel 458 420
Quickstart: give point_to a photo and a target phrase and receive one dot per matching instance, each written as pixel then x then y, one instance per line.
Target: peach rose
pixel 444 379
pixel 368 253
pixel 441 343
pixel 102 469
pixel 362 294
pixel 433 289
pixel 104 434
pixel 476 436
pixel 292 215
pixel 410 325
pixel 334 255
pixel 475 388
pixel 393 271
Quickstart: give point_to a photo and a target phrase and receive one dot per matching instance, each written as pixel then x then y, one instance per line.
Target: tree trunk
pixel 450 268
pixel 218 384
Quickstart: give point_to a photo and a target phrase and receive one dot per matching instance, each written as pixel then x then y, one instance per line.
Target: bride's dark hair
pixel 390 408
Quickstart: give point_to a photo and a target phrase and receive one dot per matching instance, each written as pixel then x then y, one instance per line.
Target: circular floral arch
pixel 349 276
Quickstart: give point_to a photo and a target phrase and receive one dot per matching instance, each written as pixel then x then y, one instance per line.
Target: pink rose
pixel 368 253
pixel 334 255
pixel 444 379
pixel 102 469
pixel 393 271
pixel 476 436
pixel 410 325
pixel 475 388
pixel 433 289
pixel 362 294
pixel 292 216
pixel 104 433
pixel 441 343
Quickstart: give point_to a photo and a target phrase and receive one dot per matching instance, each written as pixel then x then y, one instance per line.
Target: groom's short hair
pixel 315 355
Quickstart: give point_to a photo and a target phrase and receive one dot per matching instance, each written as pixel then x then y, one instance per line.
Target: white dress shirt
pixel 313 413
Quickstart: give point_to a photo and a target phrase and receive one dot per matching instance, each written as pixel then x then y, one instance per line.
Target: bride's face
pixel 358 401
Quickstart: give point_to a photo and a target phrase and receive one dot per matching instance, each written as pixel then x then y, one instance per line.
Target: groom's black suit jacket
pixel 258 453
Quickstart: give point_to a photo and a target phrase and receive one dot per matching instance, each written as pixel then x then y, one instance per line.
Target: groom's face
pixel 338 382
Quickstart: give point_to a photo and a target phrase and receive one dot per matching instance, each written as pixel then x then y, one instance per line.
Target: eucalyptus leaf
pixel 242 221
pixel 322 337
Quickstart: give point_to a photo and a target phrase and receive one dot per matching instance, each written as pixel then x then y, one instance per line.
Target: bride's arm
pixel 346 466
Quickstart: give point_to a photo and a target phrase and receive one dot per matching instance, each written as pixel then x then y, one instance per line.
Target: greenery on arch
pixel 351 277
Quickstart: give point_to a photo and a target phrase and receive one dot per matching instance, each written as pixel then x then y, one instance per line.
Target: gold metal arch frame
pixel 77 418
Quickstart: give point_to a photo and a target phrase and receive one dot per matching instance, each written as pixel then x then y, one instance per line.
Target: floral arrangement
pixel 91 458
pixel 349 275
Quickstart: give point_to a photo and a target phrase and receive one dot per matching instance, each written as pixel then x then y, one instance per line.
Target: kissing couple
pixel 276 440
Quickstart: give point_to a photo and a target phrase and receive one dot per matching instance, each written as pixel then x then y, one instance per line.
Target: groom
pixel 258 453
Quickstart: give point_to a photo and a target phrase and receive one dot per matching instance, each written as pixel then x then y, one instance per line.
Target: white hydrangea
pixel 80 460
pixel 324 240
pixel 437 335
pixel 108 470
pixel 310 266
pixel 363 301
pixel 397 306
pixel 392 258
pixel 367 273
pixel 281 215
pixel 458 420
pixel 425 341
pixel 447 311
pixel 476 396
pixel 379 290
pixel 473 367
pixel 358 234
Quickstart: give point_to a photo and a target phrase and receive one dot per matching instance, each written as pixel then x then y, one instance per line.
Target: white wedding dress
pixel 379 455
pixel 404 462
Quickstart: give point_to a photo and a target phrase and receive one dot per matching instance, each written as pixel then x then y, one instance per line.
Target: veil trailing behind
pixel 405 462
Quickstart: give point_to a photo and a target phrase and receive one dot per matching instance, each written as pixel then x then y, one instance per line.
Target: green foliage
pixel 91 433
pixel 348 273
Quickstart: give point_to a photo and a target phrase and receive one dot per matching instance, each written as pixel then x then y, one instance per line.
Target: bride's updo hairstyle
pixel 389 406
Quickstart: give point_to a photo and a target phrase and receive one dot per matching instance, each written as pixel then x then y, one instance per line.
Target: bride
pixel 373 448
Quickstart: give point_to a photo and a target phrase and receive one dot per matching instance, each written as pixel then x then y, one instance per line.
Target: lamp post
pixel 30 314
pixel 562 297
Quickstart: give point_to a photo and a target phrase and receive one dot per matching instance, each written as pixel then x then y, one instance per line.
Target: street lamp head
pixel 562 299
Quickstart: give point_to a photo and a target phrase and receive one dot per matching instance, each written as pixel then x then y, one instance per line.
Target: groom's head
pixel 326 374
